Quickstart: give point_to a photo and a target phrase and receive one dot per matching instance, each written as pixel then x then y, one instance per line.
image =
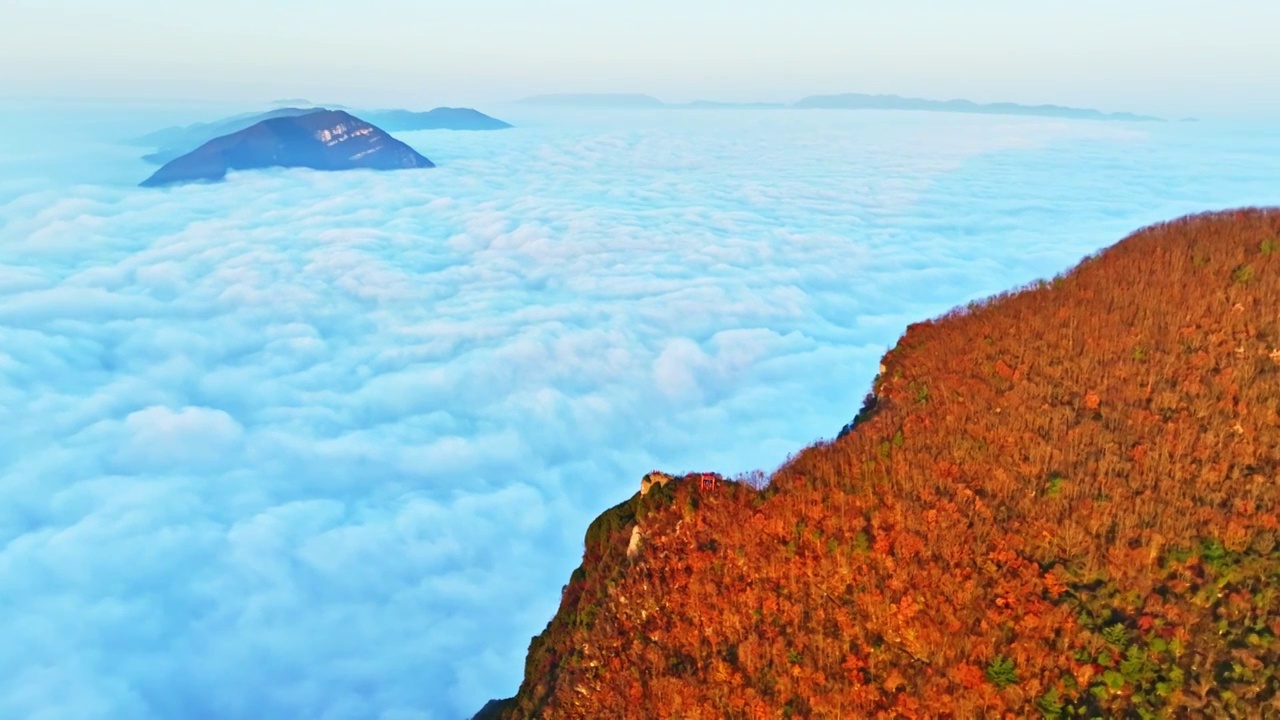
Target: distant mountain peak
pixel 173 142
pixel 319 139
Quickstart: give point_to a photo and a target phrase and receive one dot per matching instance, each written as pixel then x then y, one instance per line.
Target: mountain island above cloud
pixel 318 139
pixel 173 142
pixel 1058 502
pixel 845 101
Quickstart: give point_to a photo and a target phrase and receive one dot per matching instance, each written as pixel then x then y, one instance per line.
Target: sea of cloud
pixel 325 445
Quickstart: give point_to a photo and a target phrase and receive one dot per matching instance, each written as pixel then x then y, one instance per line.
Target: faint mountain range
pixel 318 139
pixel 602 100
pixel 846 101
pixel 858 101
pixel 173 142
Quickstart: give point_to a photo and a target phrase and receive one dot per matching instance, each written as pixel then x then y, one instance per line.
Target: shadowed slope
pixel 1064 502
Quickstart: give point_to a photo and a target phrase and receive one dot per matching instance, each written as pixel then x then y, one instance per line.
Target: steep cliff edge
pixel 1063 502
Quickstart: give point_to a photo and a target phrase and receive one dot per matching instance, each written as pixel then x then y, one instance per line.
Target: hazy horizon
pixel 1190 58
pixel 234 104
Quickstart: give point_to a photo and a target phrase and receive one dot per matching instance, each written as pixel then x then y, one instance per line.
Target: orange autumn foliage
pixel 1063 502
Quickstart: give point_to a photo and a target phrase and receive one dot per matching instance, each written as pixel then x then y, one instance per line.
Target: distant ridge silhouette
pixel 844 101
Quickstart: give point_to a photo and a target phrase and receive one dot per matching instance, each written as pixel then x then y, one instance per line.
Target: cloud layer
pixel 325 445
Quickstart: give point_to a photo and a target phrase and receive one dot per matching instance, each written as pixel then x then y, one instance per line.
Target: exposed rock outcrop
pixel 633 545
pixel 652 479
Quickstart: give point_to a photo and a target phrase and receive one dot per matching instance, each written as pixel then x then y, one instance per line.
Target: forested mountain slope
pixel 1064 502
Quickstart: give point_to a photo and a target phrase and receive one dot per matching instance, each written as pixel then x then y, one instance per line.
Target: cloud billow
pixel 325 445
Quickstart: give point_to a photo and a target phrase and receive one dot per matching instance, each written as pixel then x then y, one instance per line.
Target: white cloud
pixel 193 439
pixel 325 445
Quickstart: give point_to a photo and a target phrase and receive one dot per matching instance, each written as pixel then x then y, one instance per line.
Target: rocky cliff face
pixel 1065 502
pixel 321 140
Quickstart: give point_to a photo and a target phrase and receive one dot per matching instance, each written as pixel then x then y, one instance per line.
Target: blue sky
pixel 1176 57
